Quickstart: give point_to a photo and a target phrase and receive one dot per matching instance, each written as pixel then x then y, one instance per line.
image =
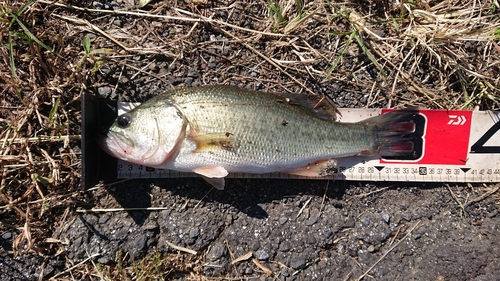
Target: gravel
pixel 261 216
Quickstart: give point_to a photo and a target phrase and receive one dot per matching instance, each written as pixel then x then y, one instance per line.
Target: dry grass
pixel 442 55
pixel 39 125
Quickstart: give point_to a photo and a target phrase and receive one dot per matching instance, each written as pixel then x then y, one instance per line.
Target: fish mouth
pixel 115 145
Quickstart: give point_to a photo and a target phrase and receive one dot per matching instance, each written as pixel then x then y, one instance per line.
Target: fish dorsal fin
pixel 321 106
pixel 214 141
pixel 319 168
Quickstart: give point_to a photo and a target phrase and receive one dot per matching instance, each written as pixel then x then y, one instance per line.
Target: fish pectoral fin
pixel 208 142
pixel 319 168
pixel 215 182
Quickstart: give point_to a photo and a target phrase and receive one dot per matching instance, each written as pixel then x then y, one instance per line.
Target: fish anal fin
pixel 208 142
pixel 367 152
pixel 319 168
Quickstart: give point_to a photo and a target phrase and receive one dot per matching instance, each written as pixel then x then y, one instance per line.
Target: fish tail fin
pixel 398 134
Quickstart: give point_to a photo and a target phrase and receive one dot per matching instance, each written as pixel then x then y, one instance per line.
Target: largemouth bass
pixel 215 130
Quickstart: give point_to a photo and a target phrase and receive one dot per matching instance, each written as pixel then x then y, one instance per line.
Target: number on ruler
pixel 422 171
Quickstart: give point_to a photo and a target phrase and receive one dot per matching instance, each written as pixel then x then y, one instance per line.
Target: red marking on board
pixel 446 137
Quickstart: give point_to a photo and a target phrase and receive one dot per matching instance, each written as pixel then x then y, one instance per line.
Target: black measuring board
pixel 97 115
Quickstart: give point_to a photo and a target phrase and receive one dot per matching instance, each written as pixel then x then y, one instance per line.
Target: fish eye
pixel 123 121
